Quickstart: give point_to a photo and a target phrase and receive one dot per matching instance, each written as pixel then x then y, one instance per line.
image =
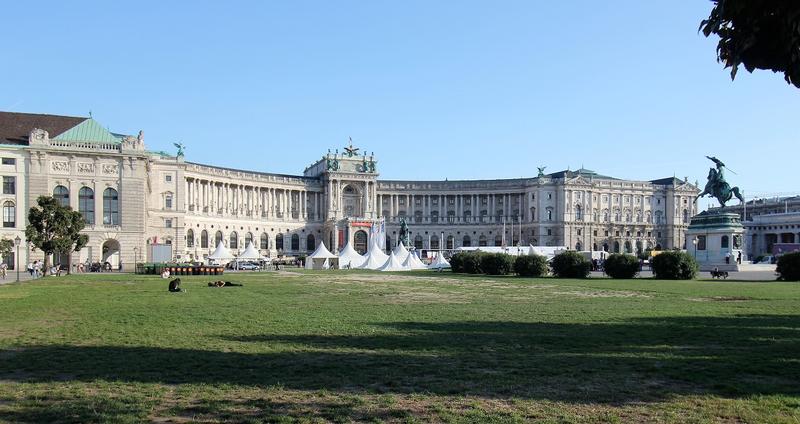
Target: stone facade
pixel 165 200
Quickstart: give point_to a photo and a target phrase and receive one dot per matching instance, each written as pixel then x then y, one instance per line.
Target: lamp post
pixel 694 242
pixel 17 242
pixel 135 258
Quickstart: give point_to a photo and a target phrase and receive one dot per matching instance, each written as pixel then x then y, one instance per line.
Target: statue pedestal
pixel 713 236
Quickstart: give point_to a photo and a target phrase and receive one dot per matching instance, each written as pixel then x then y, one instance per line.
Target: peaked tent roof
pixel 349 256
pixel 250 252
pixel 322 252
pixel 15 128
pixel 375 257
pixel 439 263
pixel 413 262
pixel 221 252
pixel 393 264
pixel 401 252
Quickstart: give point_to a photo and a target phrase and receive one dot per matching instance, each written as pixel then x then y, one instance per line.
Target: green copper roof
pixel 88 130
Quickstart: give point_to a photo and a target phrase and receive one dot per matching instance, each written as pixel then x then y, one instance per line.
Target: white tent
pixel 393 264
pixel 401 252
pixel 413 262
pixel 221 254
pixel 375 257
pixel 349 258
pixel 320 259
pixel 439 263
pixel 250 254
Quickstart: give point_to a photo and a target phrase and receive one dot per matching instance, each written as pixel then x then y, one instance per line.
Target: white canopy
pixel 439 263
pixel 413 262
pixel 393 264
pixel 348 257
pixel 320 258
pixel 401 252
pixel 250 253
pixel 221 253
pixel 375 257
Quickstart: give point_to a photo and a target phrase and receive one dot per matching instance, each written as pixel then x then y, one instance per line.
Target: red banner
pixel 341 238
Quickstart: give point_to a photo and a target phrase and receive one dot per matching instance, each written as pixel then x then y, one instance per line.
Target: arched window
pixel 279 242
pixel 605 247
pixel 578 213
pixel 498 217
pixel 685 216
pixel 434 216
pixel 606 216
pixel 648 217
pixel 311 243
pixel 248 238
pixel 418 216
pixel 360 242
pixel 435 243
pixel 482 241
pixel 234 241
pixel 168 201
pixel 725 242
pixel 628 247
pixel 467 216
pixel 295 243
pixel 579 247
pixel 533 214
pixel 110 207
pixel 9 214
pixel 264 241
pixel 659 216
pixel 466 241
pixel 189 238
pixel 616 247
pixel 86 204
pixel 217 238
pixel 451 216
pixel 388 243
pixel 498 240
pixel 61 194
pixel 451 243
pixel 204 239
pixel 639 249
pixel 549 214
pixel 418 242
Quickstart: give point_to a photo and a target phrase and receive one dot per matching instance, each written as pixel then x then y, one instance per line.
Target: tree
pixel 54 228
pixel 759 34
pixel 6 246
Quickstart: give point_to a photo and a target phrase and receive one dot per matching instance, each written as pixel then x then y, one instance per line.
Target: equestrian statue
pixel 717 187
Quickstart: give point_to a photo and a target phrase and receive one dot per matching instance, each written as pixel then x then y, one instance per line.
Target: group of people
pixel 35 268
pixel 175 285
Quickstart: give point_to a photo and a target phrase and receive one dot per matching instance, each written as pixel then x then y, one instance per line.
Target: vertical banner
pixel 341 238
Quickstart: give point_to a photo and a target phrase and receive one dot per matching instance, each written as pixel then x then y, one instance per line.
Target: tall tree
pixel 54 228
pixel 759 34
pixel 6 246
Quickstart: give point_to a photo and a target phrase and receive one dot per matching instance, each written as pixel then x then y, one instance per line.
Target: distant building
pixel 134 200
pixel 769 221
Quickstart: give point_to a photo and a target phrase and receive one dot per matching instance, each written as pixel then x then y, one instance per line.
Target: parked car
pixel 249 266
pixel 769 259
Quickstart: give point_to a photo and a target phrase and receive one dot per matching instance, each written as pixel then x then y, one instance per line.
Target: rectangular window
pixel 9 161
pixel 168 202
pixel 595 233
pixel 168 223
pixel 579 232
pixel 9 185
pixel 169 178
pixel 9 215
pixel 549 232
pixel 701 242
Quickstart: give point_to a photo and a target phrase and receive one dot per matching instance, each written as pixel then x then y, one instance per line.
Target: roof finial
pixel 90 113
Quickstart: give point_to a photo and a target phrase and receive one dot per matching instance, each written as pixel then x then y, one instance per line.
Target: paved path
pixel 756 275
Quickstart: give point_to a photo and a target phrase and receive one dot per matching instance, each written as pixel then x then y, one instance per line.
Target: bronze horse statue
pixel 718 187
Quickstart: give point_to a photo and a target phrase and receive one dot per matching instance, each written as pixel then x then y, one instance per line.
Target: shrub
pixel 466 262
pixel 496 263
pixel 618 265
pixel 571 264
pixel 789 267
pixel 530 265
pixel 674 265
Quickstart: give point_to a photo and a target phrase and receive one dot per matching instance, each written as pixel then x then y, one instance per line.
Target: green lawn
pixel 422 347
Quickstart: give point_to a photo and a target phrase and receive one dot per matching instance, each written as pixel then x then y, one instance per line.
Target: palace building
pixel 141 205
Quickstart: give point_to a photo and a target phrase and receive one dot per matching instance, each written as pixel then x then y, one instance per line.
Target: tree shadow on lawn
pixel 637 360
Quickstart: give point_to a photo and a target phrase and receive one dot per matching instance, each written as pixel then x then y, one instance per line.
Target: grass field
pixel 362 346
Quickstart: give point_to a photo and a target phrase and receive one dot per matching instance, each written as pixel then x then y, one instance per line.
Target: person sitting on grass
pixel 165 274
pixel 175 286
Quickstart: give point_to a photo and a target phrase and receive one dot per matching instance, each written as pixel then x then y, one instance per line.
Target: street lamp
pixel 694 242
pixel 17 242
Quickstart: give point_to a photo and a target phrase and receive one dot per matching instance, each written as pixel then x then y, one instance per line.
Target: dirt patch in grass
pixel 601 294
pixel 722 299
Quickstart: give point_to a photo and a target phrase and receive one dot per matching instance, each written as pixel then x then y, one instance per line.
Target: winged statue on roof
pixel 180 147
pixel 350 150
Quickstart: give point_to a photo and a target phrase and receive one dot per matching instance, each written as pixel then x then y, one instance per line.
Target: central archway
pixel 110 251
pixel 360 242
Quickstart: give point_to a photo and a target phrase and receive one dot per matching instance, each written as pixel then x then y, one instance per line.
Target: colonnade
pixel 454 208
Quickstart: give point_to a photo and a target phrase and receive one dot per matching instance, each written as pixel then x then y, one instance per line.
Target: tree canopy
pixel 759 34
pixel 54 228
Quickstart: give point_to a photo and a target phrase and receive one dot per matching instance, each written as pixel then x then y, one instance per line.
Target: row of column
pixel 460 206
pixel 211 197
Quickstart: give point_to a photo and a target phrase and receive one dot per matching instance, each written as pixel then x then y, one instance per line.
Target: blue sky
pixel 458 90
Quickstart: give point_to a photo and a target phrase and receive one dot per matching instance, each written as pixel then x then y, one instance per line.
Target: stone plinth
pixel 712 236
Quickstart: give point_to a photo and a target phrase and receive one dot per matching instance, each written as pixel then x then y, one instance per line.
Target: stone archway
pixel 360 242
pixel 111 253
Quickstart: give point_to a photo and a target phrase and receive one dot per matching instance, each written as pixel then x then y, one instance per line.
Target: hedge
pixel 530 266
pixel 571 264
pixel 789 267
pixel 496 263
pixel 674 265
pixel 621 266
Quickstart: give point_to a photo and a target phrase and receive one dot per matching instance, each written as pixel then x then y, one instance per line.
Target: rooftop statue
pixel 541 171
pixel 180 147
pixel 350 150
pixel 717 186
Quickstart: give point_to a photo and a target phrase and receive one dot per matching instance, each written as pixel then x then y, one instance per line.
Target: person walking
pixel 4 270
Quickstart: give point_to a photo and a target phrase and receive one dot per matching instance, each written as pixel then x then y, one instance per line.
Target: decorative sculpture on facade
pixel 333 165
pixel 351 151
pixel 541 171
pixel 717 186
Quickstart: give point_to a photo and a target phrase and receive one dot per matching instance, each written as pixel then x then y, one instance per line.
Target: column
pixel 391 207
